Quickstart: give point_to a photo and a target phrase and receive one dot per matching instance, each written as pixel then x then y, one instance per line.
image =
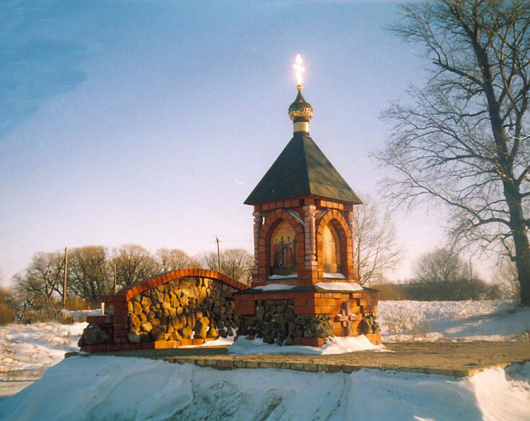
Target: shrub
pixel 7 314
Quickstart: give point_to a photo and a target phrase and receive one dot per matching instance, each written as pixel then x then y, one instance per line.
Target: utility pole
pixel 218 255
pixel 65 275
pixel 115 279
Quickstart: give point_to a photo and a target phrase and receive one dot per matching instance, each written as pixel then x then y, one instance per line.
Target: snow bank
pixel 502 395
pixel 332 346
pixel 102 388
pixel 36 346
pixel 452 320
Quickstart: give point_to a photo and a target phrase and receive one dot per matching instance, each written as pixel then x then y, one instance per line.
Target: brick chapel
pixel 305 284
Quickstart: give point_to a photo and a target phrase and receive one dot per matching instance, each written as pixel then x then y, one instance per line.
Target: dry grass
pixel 76 304
pixel 390 292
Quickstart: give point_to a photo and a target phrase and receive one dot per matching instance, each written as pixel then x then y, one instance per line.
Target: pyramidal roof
pixel 302 170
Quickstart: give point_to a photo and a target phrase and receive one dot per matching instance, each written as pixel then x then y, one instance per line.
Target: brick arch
pixel 132 290
pixel 337 219
pixel 271 222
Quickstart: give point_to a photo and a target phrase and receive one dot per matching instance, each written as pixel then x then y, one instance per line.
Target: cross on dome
pixel 297 66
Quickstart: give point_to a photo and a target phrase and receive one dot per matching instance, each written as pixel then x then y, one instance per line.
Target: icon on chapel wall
pixel 283 250
pixel 331 250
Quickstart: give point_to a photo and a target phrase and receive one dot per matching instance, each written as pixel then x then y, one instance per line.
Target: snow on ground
pixel 103 388
pixel 332 346
pixel 452 320
pixel 35 347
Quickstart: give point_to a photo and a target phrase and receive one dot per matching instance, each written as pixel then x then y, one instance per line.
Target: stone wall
pixel 179 308
pixel 187 308
pixel 369 325
pixel 275 321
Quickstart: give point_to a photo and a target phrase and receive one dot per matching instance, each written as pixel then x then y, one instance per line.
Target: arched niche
pixel 331 256
pixel 283 250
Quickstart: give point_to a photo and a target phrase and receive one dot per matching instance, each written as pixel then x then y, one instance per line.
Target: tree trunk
pixel 520 240
pixel 522 261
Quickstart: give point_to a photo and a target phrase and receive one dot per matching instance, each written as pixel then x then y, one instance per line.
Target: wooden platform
pixel 456 359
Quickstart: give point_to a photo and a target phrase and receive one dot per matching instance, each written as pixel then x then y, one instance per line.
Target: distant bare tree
pixel 441 265
pixel 133 263
pixel 506 277
pixel 376 248
pixel 463 140
pixel 38 286
pixel 443 275
pixel 88 274
pixel 174 259
pixel 236 263
pixel 42 278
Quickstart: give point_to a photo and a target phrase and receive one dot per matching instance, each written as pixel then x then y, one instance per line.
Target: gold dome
pixel 300 109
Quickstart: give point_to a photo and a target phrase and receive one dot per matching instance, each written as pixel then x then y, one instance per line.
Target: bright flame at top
pixel 299 69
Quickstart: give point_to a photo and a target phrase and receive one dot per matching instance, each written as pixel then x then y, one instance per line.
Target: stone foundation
pixel 275 321
pixel 307 315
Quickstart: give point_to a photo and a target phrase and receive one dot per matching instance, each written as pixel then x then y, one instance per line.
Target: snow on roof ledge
pixel 278 277
pixel 334 276
pixel 339 286
pixel 274 287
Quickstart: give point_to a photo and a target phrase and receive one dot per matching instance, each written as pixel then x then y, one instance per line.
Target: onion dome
pixel 300 110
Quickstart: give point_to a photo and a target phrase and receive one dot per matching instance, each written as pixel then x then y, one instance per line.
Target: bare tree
pixel 133 264
pixel 439 266
pixel 174 259
pixel 506 278
pixel 236 263
pixel 88 274
pixel 38 286
pixel 463 139
pixel 42 278
pixel 376 249
pixel 443 275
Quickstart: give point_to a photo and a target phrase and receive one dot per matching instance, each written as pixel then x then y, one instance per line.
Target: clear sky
pixel 150 122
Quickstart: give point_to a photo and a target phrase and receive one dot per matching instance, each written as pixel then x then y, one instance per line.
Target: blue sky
pixel 150 122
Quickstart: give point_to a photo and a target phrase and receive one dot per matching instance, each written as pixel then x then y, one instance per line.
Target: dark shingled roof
pixel 302 170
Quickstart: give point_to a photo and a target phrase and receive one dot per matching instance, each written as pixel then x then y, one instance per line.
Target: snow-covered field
pixel 35 347
pixel 117 388
pixel 452 320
